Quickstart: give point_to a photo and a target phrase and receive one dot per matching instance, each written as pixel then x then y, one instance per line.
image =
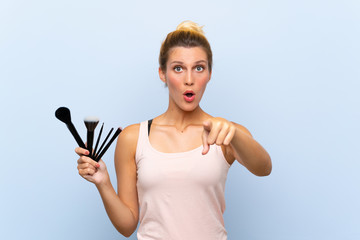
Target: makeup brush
pixel 90 123
pixel 97 141
pixel 102 145
pixel 118 131
pixel 63 114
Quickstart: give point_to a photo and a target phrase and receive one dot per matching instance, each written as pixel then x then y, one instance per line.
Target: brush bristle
pixel 63 114
pixel 91 123
pixel 91 119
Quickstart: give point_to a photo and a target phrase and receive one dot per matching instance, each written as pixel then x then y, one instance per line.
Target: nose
pixel 189 79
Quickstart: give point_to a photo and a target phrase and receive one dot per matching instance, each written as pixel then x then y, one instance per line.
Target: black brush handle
pixel 90 139
pixel 75 134
pixel 98 139
pixel 102 145
pixel 118 131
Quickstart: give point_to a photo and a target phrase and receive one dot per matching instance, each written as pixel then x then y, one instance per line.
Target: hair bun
pixel 190 26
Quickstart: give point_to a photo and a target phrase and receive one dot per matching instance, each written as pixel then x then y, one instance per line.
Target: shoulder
pixel 130 132
pixel 128 137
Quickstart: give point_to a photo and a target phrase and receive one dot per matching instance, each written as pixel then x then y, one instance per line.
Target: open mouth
pixel 189 96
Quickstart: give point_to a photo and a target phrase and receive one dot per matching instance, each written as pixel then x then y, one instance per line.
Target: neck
pixel 181 119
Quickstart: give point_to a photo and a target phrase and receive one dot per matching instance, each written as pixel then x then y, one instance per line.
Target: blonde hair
pixel 187 34
pixel 190 26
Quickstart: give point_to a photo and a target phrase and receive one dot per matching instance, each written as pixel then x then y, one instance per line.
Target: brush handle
pixel 102 145
pixel 118 131
pixel 90 139
pixel 98 139
pixel 75 134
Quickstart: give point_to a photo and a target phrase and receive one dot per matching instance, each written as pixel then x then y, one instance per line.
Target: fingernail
pixel 87 153
pixel 97 165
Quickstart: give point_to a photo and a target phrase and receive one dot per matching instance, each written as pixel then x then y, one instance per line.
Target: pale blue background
pixel 287 70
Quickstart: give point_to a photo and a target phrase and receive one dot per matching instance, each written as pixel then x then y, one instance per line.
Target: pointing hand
pixel 217 131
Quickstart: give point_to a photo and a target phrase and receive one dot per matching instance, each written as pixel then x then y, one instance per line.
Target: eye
pixel 199 68
pixel 178 69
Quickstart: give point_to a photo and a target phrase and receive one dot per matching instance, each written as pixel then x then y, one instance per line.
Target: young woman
pixel 171 170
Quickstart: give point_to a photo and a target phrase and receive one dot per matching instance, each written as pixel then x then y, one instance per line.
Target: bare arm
pixel 122 208
pixel 249 152
pixel 239 145
pixel 126 172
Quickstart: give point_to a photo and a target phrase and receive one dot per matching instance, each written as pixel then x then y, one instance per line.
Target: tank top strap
pixel 141 144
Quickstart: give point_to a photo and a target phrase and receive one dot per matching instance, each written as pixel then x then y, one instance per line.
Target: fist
pixel 217 131
pixel 92 171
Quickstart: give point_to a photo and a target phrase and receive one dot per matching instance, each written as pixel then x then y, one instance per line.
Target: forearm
pixel 250 153
pixel 120 215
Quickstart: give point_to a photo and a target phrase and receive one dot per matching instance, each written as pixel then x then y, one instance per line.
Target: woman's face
pixel 186 76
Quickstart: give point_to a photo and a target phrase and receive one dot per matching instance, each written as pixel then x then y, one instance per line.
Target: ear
pixel 162 75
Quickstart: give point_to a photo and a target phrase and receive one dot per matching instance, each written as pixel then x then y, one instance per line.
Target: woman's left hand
pixel 217 131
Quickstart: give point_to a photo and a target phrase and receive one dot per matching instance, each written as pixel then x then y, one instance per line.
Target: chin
pixel 190 108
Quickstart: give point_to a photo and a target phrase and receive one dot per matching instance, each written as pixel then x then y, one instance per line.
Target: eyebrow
pixel 179 62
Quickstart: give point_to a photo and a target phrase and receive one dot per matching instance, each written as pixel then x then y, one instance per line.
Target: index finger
pixel 81 151
pixel 84 162
pixel 206 146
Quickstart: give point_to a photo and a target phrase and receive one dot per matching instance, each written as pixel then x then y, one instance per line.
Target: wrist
pixel 105 183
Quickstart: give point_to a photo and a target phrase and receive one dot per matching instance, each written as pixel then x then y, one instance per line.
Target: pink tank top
pixel 181 195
